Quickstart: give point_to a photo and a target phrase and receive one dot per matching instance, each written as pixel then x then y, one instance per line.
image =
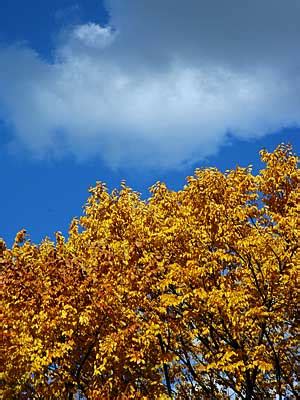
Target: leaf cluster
pixel 188 295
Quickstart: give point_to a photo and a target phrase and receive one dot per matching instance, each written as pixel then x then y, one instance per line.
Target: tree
pixel 189 294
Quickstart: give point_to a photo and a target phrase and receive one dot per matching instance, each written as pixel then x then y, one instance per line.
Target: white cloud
pixel 162 85
pixel 93 35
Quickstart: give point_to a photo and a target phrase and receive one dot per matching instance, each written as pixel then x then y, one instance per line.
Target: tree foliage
pixel 189 294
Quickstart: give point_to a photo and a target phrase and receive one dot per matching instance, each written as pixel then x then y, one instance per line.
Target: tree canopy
pixel 190 294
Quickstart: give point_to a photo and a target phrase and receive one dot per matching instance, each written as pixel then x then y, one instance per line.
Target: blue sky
pixel 93 90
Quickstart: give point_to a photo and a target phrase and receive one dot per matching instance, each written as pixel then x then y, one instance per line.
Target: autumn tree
pixel 186 295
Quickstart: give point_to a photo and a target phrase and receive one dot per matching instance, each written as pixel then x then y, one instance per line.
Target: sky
pixel 137 90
